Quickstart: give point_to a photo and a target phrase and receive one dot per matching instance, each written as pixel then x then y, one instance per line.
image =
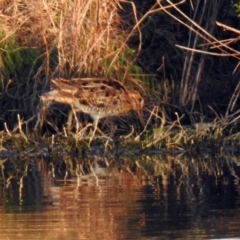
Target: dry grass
pixel 86 34
pixel 43 39
pixel 67 39
pixel 201 44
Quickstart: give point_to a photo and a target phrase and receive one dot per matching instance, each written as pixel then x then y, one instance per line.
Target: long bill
pixel 140 116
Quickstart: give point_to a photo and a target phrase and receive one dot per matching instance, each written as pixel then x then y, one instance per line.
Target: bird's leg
pixel 76 120
pixel 95 128
pixel 95 123
pixel 69 122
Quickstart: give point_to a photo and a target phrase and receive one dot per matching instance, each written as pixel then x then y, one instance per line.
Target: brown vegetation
pixel 142 44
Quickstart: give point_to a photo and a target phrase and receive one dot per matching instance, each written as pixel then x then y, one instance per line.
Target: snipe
pixel 98 97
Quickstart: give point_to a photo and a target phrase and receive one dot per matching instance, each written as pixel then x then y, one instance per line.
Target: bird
pixel 97 97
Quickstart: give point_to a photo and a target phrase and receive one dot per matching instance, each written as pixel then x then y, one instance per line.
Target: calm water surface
pixel 145 197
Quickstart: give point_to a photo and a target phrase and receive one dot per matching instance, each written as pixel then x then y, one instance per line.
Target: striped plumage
pixel 98 97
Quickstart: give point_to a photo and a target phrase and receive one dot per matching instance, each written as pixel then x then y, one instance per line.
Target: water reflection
pixel 147 197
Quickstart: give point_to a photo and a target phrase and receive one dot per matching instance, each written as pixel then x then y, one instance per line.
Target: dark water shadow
pixel 138 197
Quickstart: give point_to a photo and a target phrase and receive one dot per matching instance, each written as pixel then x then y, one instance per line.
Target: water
pixel 144 197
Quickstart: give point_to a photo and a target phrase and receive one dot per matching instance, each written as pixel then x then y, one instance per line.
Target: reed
pixel 44 39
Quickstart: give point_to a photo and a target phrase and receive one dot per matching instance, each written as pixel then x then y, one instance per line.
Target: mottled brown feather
pixel 98 97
